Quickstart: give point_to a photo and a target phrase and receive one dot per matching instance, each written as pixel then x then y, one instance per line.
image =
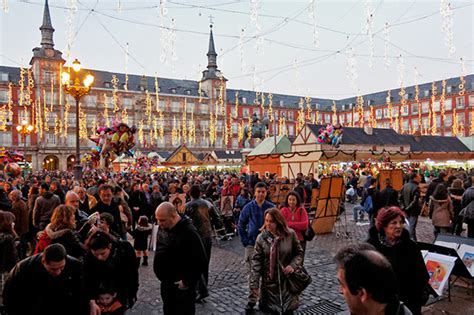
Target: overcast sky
pixel 287 60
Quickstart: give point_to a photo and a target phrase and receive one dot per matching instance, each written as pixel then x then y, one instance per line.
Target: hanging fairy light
pixel 297 76
pixel 212 131
pixel 70 27
pixel 312 17
pixel 162 127
pixel 240 131
pixel 93 126
pixel 10 101
pixel 51 106
pixel 462 84
pixel 369 30
pixel 401 75
pixel 184 123
pixel 119 6
pixel 351 68
pixel 360 110
pixel 67 107
pixel 141 138
pixel 262 104
pixel 255 21
pixel 57 131
pixel 124 116
pixel 157 95
pixel 106 110
pixel 386 46
pixel 434 129
pixel 308 108
pixel 125 86
pixel 256 101
pixel 236 105
pixel 471 131
pixel 221 95
pixel 39 120
pixel 45 113
pixel 301 116
pixel 3 118
pixel 243 66
pixel 388 100
pixel 447 25
pixel 115 82
pixel 270 107
pixel 372 119
pixel 82 124
pixel 5 6
pixel 249 129
pixel 21 84
pixel 442 101
pixel 334 112
pixel 30 87
pixel 174 55
pixel 455 126
pixel 417 98
pixel 148 107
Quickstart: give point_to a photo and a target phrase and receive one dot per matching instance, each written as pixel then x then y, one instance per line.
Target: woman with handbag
pixel 278 255
pixel 296 217
pixel 391 239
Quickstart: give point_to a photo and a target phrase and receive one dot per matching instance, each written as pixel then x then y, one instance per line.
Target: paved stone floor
pixel 228 285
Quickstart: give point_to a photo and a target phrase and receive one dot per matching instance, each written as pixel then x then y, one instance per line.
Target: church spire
pixel 47 29
pixel 211 54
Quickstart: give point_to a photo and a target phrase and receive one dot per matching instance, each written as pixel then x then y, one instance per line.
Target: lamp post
pixel 24 129
pixel 77 83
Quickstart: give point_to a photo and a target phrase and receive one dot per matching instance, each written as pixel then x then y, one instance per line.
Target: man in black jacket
pixel 47 283
pixel 441 179
pixel 106 204
pixel 179 262
pixel 388 196
pixel 409 202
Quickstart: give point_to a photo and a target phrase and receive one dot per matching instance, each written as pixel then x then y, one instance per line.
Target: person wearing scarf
pixel 391 239
pixel 277 254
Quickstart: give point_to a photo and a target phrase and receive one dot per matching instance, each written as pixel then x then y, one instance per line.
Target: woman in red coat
pixel 296 216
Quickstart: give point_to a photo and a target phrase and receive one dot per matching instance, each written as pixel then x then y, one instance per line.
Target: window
pixel 396 112
pixel 342 119
pixel 28 140
pixel 233 112
pixel 414 124
pixel 385 113
pixel 386 125
pixel 460 119
pixel 436 106
pixel 291 115
pixel 448 120
pixel 327 118
pixel 404 110
pixel 349 118
pixel 438 121
pixel 378 113
pixel 127 102
pixel 184 157
pixel 291 130
pixel 47 98
pixel 235 143
pixel 256 110
pixel 448 104
pixel 204 108
pixel 245 113
pixel 71 119
pixel 6 138
pixel 356 117
pixel 175 107
pixel 425 122
pixel 366 115
pixel 425 107
pixel 48 76
pixel 24 116
pixel 3 96
pixel 471 100
pixel 460 102
pixel 50 138
pixel 235 127
pixel 414 108
pixel 190 107
pixel 426 93
pixel 90 100
pixel 405 125
pixel 3 76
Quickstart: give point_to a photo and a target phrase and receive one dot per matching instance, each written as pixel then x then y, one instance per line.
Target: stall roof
pixel 268 146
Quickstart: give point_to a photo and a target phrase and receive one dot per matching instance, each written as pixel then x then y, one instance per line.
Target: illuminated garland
pixel 256 101
pixel 386 41
pixel 353 118
pixel 316 117
pixel 334 113
pixel 66 118
pixel 241 49
pixel 125 86
pixel 281 125
pixel 21 83
pixel 472 123
pixel 82 124
pixel 148 107
pixel 115 82
pixel 141 137
pixel 434 129
pixel 240 131
pixel 455 126
pixel 221 95
pixel 39 119
pixel 442 101
pixel 157 95
pixel 308 108
pixel 45 112
pixel 249 128
pixel 447 25
pixel 3 118
pixel 236 104
pixel 360 109
pixel 369 30
pixel 262 104
pixel 372 119
pixel 184 128
pixel 106 110
pixel 162 127
pixel 301 116
pixel 56 126
pixel 462 84
pixel 29 88
pixel 417 99
pixel 93 126
pixel 212 130
pixel 270 108
pixel 52 95
pixel 389 107
pixel 10 101
pixel 200 91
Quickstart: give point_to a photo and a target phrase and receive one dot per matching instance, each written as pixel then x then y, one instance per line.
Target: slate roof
pixel 164 154
pixel 391 137
pixel 223 154
pixel 13 73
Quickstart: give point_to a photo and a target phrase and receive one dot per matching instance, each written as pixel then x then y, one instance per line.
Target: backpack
pixel 368 205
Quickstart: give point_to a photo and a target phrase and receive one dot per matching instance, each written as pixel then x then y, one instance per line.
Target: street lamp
pixel 24 129
pixel 77 83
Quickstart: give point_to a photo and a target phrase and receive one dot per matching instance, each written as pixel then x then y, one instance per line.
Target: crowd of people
pixel 67 245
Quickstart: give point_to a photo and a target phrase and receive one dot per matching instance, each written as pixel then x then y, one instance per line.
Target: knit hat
pixel 386 215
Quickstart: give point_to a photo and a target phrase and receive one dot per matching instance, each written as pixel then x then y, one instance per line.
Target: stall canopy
pixel 283 145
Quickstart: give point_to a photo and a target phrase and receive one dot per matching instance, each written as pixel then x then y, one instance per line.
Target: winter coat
pixel 202 213
pixel 68 238
pixel 31 290
pixel 179 254
pixel 432 186
pixel 140 235
pixel 5 204
pixel 251 220
pixel 290 252
pixel 8 252
pixel 409 199
pixel 467 202
pixel 43 209
pixel 297 220
pixel 457 206
pixel 388 197
pixel 407 263
pixel 113 209
pixel 441 212
pixel 20 210
pixel 120 270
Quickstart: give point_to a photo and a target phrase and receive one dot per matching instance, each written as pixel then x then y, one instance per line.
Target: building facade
pixel 204 115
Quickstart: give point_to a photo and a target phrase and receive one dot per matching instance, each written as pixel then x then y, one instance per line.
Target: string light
pixel 5 6
pixel 249 129
pixel 29 88
pixel 106 110
pixel 369 29
pixel 386 47
pixel 417 99
pixel 162 127
pixel 70 25
pixel 82 124
pixel 10 101
pixel 93 126
pixel 472 123
pixel 372 120
pixel 262 104
pixel 124 116
pixel 455 126
pixel 52 95
pixel 212 128
pixel 56 126
pixel 301 116
pixel 236 104
pixel 66 118
pixel 308 108
pixel 441 102
pixel 312 17
pixel 297 76
pixel 119 6
pixel 3 118
pixel 39 120
pixel 240 131
pixel 45 113
pixel 221 95
pixel 157 95
pixel 353 117
pixel 256 101
pixel 243 66
pixel 388 100
pixel 254 19
pixel 351 68
pixel 434 129
pixel 462 84
pixel 21 83
pixel 148 107
pixel 184 129
pixel 334 112
pixel 447 25
pixel 360 109
pixel 115 82
pixel 270 108
pixel 125 86
pixel 401 93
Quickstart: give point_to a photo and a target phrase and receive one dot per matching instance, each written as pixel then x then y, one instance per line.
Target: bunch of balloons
pixel 113 141
pixel 331 135
pixel 10 159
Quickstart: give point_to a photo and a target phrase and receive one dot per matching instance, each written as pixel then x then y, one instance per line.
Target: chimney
pixel 368 130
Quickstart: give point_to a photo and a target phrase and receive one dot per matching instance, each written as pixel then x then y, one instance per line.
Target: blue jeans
pixel 412 222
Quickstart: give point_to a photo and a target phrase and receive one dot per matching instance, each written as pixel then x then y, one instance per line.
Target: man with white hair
pixel 86 201
pixel 72 200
